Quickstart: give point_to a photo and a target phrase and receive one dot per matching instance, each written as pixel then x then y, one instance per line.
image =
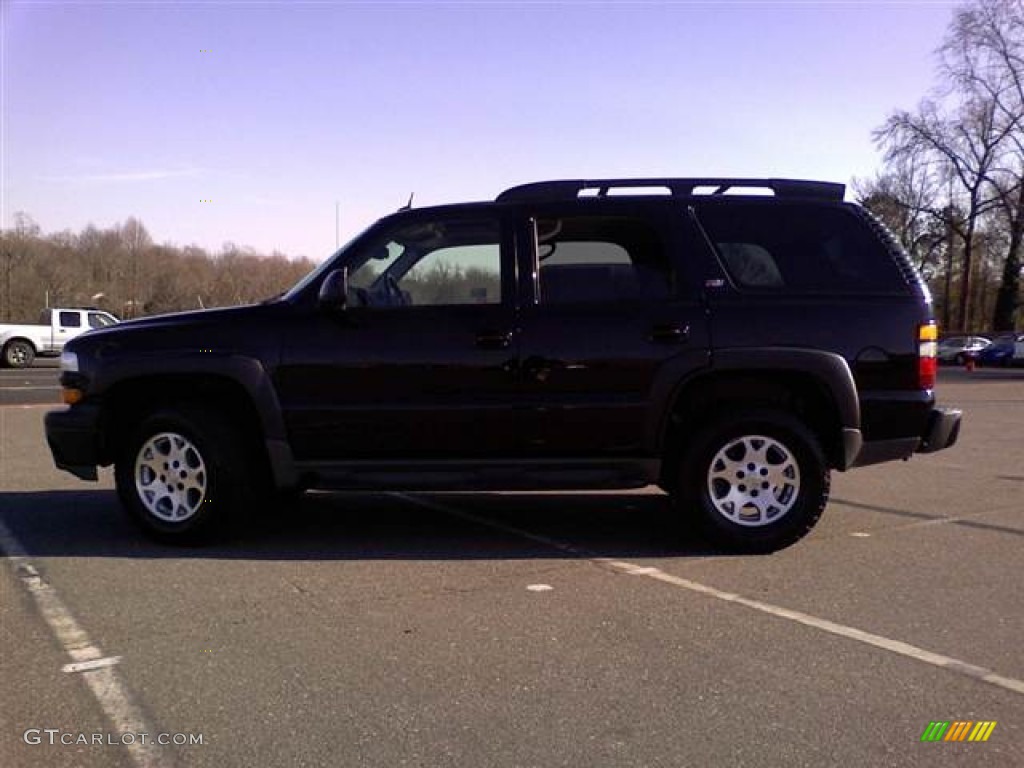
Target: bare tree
pixel 135 240
pixel 983 55
pixel 906 196
pixel 964 148
pixel 17 245
pixel 971 133
pixel 132 275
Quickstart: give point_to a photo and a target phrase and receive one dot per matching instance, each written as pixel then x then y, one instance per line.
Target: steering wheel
pixel 360 296
pixel 392 293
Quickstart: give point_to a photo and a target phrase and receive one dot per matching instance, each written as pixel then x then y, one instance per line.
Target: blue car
pixel 999 352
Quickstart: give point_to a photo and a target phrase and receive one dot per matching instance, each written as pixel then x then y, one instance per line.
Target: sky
pixel 259 123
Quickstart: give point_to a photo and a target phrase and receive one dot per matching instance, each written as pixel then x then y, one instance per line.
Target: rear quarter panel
pixel 877 335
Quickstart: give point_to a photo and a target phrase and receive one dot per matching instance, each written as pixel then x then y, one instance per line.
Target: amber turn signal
pixel 70 395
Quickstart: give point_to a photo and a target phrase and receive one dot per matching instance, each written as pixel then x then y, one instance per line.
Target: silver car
pixel 956 349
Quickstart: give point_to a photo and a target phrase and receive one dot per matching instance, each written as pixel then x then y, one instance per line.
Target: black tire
pixel 960 359
pixel 212 484
pixel 18 353
pixel 790 484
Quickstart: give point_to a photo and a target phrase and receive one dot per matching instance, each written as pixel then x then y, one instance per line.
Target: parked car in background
pixel 21 344
pixel 1018 351
pixel 956 349
pixel 1000 351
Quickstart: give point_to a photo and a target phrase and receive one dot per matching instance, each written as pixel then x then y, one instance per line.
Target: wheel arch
pixel 27 339
pixel 815 386
pixel 238 387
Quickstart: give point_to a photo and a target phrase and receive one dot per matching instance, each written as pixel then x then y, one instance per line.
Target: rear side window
pixel 777 247
pixel 586 259
pixel 70 320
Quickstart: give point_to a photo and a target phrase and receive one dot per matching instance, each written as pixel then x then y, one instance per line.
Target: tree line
pixel 952 184
pixel 122 270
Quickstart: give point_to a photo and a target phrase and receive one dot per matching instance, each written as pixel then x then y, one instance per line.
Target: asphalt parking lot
pixel 35 385
pixel 560 629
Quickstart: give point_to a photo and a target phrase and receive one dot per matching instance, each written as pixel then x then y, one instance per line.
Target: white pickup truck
pixel 20 344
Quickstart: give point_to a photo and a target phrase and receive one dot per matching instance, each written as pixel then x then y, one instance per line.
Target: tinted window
pixel 600 259
pixel 70 320
pixel 97 320
pixel 431 264
pixel 458 274
pixel 803 248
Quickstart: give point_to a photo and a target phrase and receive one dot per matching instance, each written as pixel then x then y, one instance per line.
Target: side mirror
pixel 334 290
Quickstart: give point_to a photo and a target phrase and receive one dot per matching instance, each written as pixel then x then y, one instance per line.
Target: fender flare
pixel 829 369
pixel 249 373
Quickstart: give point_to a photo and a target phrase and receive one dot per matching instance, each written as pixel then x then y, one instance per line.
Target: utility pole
pixel 947 309
pixel 8 269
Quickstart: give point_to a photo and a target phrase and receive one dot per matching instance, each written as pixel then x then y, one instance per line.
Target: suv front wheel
pixel 753 481
pixel 182 475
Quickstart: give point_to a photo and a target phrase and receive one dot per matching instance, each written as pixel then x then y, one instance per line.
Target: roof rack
pixel 570 190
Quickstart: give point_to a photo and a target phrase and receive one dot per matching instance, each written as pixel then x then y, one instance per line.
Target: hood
pixel 189 319
pixel 228 327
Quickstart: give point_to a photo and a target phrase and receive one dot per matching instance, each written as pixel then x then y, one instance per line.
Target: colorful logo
pixel 958 730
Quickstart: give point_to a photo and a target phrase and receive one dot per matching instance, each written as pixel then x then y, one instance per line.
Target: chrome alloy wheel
pixel 170 477
pixel 753 480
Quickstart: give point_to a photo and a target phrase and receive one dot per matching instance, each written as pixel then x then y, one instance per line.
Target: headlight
pixel 69 361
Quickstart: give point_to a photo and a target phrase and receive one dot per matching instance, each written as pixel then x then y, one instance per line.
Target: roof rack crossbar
pixel 678 187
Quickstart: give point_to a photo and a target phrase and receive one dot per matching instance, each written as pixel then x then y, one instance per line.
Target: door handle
pixel 494 339
pixel 669 334
pixel 537 368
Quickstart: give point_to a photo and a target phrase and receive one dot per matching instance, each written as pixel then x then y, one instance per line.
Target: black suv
pixel 731 341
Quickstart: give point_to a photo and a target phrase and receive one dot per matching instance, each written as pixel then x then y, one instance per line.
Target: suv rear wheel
pixel 182 475
pixel 753 481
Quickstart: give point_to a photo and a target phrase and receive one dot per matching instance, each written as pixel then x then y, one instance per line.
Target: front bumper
pixel 74 439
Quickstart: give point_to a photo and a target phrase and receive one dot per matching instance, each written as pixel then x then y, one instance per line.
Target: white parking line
pixel 851 633
pixel 88 666
pixel 87 659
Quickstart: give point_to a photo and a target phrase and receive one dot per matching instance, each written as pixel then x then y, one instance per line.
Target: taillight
pixel 927 352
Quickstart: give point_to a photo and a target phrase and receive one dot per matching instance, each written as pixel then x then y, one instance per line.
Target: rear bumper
pixel 943 430
pixel 73 437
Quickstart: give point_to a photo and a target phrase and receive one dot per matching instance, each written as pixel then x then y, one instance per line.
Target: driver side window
pixel 436 263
